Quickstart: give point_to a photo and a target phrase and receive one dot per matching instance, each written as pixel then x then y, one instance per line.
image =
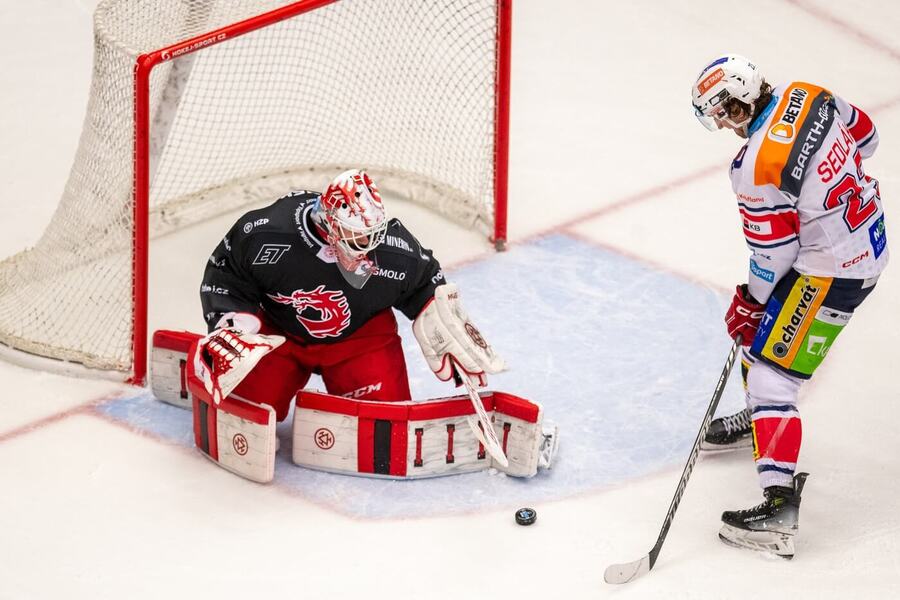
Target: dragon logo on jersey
pixel 324 313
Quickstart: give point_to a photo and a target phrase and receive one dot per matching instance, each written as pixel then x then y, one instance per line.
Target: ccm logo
pixel 850 263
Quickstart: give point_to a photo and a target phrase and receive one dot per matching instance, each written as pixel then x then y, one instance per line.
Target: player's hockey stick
pixel 625 572
pixel 485 433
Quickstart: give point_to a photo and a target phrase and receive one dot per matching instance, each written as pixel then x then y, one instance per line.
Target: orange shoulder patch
pixel 781 134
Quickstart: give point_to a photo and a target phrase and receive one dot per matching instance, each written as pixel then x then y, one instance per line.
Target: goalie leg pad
pixel 168 366
pixel 237 434
pixel 416 439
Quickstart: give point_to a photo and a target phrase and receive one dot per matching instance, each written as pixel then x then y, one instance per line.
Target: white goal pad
pixel 238 435
pixel 168 366
pixel 415 439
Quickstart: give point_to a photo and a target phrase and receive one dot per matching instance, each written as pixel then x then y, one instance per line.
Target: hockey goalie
pixel 308 285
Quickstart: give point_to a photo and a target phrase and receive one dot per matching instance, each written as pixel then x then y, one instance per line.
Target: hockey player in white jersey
pixel 814 223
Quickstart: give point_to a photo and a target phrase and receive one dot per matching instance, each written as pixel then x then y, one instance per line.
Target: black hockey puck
pixel 526 516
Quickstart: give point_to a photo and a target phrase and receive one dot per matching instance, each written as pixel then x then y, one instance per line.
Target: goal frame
pixel 144 65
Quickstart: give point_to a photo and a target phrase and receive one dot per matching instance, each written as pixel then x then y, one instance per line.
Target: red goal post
pixel 237 101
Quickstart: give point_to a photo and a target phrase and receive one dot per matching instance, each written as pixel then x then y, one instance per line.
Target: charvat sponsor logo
pixel 789 329
pixel 764 274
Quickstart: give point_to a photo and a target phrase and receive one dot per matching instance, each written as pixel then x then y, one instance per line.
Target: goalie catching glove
pixel 228 354
pixel 450 341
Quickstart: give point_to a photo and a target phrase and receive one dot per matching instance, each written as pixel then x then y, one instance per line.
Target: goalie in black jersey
pixel 307 285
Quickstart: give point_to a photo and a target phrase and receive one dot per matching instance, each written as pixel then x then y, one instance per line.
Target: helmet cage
pixel 353 217
pixel 717 111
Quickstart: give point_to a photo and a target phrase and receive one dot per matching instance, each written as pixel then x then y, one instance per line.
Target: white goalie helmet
pixel 351 215
pixel 730 76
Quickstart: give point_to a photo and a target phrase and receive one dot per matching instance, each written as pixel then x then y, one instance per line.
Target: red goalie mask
pixel 352 217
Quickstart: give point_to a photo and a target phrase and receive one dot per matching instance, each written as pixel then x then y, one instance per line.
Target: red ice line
pixel 868 40
pixel 85 408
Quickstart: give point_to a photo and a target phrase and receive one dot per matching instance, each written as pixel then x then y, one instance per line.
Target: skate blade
pixel 769 543
pixel 738 445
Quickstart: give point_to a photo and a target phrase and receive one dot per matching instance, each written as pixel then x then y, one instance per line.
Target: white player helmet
pixel 728 76
pixel 352 217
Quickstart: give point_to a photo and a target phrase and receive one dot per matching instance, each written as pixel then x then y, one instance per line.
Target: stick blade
pixel 485 434
pixel 625 572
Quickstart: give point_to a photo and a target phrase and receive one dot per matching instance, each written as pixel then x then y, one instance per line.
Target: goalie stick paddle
pixel 625 572
pixel 485 433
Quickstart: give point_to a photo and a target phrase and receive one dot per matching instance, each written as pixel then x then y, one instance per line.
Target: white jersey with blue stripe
pixel 804 198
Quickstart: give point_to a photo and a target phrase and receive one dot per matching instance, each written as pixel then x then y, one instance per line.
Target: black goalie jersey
pixel 274 259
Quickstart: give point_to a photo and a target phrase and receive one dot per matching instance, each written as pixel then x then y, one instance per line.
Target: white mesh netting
pixel 404 88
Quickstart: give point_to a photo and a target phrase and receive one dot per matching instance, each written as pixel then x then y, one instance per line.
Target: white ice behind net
pixel 404 88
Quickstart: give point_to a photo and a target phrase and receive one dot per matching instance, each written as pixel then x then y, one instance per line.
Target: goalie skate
pixel 769 527
pixel 729 433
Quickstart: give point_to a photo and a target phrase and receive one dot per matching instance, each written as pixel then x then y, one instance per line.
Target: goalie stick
pixel 485 433
pixel 625 572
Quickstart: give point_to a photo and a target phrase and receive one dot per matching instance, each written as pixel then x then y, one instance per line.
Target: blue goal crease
pixel 623 357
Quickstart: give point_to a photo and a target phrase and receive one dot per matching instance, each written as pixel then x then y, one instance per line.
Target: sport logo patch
pixel 817 345
pixel 323 313
pixel 324 438
pixel 248 227
pixel 240 444
pixel 757 228
pixel 877 236
pixel 764 274
pixel 269 254
pixel 781 132
pixel 710 80
pixel 784 128
pixel 476 336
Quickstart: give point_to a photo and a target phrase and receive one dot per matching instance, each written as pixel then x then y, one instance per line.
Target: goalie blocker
pixel 410 439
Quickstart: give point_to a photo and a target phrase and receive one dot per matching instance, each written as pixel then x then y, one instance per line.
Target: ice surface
pixel 623 358
pixel 601 317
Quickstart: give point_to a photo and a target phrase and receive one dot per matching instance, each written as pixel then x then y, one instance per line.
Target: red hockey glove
pixel 743 315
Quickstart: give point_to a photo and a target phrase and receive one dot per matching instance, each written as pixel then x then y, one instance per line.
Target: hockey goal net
pixel 198 107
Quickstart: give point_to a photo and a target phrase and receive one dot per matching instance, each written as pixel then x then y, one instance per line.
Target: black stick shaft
pixel 695 451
